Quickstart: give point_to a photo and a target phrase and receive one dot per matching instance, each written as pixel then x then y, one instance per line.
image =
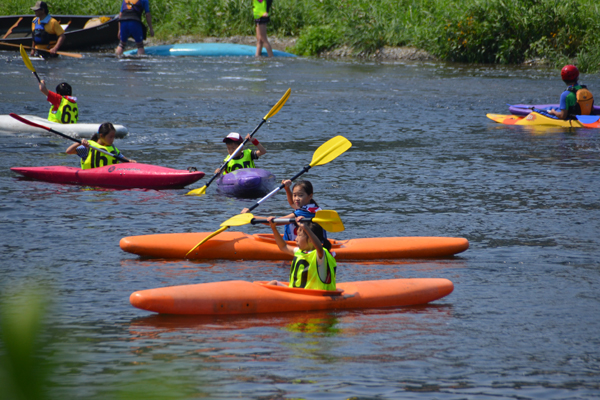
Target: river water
pixel 524 317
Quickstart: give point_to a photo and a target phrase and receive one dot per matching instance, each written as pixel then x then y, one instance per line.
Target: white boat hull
pixel 82 130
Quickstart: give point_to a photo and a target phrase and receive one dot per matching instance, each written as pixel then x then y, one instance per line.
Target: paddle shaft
pixel 304 170
pixel 235 153
pixel 62 53
pixel 278 221
pixel 27 122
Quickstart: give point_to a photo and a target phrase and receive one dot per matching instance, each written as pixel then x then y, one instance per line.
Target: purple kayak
pixel 246 183
pixel 525 109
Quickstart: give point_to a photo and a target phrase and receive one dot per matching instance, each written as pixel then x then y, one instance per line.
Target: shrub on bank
pixel 479 31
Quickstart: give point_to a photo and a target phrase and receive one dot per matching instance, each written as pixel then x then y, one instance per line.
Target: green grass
pixel 472 31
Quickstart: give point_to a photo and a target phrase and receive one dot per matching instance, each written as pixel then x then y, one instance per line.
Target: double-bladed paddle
pixel 328 219
pixel 201 191
pixel 26 121
pixel 326 153
pixel 62 53
pixel 28 63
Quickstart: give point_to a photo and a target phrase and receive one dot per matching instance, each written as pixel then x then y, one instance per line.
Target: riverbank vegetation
pixel 472 31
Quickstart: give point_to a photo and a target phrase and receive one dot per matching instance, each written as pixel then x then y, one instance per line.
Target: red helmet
pixel 569 73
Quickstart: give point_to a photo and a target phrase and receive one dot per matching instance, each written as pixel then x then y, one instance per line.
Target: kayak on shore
pixel 538 119
pixel 206 50
pixel 239 245
pixel 241 297
pixel 525 109
pixel 83 130
pixel 119 176
pixel 246 183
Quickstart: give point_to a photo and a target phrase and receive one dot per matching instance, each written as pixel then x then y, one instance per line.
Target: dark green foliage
pixel 481 31
pixel 316 39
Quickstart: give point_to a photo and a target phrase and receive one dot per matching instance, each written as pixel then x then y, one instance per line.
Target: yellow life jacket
pixel 67 112
pixel 260 7
pixel 96 159
pixel 245 161
pixel 304 272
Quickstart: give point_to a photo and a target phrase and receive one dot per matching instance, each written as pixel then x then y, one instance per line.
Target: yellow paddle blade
pixel 26 59
pixel 330 150
pixel 215 233
pixel 197 192
pixel 329 220
pixel 239 220
pixel 279 104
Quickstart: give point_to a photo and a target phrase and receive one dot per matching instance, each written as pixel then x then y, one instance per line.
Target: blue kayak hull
pixel 206 50
pixel 246 183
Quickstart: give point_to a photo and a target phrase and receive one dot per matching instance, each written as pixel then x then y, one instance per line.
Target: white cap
pixel 236 137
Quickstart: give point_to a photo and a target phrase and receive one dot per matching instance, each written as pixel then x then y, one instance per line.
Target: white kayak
pixel 82 130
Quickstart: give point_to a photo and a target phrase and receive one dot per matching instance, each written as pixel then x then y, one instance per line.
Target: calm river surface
pixel 522 323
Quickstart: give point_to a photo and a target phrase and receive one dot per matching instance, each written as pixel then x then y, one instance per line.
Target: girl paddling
pixel 300 198
pixel 104 139
pixel 313 267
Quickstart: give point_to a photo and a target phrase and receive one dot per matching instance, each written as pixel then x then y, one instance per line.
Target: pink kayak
pixel 120 176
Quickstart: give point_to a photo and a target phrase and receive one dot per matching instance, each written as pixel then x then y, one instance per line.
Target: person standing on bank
pixel 261 19
pixel 130 24
pixel 47 32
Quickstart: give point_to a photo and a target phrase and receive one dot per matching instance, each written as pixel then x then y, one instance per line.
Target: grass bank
pixel 473 31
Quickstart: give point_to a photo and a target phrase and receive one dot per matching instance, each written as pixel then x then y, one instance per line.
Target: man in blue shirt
pixel 130 24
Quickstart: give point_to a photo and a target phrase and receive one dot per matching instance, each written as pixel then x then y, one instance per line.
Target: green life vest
pixel 96 159
pixel 245 161
pixel 304 272
pixel 259 7
pixel 67 112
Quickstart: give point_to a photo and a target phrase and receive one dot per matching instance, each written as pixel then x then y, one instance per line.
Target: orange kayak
pixel 240 297
pixel 241 246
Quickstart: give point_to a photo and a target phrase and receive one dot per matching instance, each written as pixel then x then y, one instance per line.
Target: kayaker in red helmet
pixel 577 99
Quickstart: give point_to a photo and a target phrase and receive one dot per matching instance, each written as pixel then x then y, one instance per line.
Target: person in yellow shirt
pixel 261 10
pixel 47 32
pixel 90 158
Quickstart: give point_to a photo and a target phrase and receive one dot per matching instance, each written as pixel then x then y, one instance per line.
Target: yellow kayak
pixel 535 118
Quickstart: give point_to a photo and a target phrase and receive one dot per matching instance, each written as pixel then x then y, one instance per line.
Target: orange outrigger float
pixel 242 246
pixel 241 297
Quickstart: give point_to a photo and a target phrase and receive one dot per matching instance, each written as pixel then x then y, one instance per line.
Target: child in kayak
pixel 104 139
pixel 300 198
pixel 313 267
pixel 64 108
pixel 245 158
pixel 577 99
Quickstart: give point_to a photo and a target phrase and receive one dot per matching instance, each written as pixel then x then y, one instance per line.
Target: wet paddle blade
pixel 239 220
pixel 279 104
pixel 329 220
pixel 215 233
pixel 330 150
pixel 197 192
pixel 26 59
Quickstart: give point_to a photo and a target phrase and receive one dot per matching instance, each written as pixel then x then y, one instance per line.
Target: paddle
pixel 28 63
pixel 326 153
pixel 201 191
pixel 62 53
pixel 27 122
pixel 328 219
